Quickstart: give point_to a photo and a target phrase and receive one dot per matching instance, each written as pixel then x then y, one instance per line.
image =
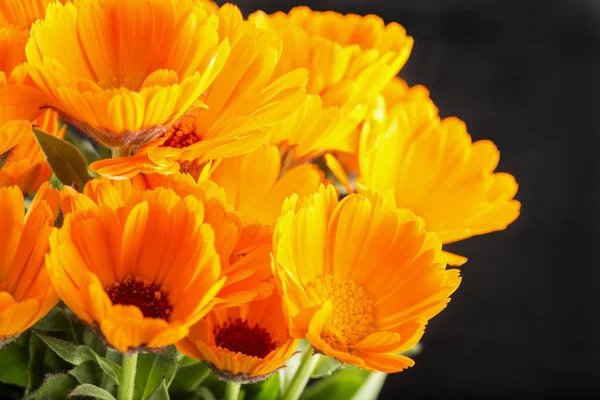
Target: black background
pixel 524 74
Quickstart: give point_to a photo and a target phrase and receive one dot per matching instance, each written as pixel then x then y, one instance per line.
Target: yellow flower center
pixel 181 135
pixel 150 298
pixel 353 311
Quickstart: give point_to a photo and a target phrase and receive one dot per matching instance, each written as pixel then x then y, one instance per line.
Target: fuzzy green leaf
pixel 189 377
pixel 66 160
pixel 5 156
pixel 13 363
pixel 54 387
pixel 87 390
pixel 152 369
pixel 160 393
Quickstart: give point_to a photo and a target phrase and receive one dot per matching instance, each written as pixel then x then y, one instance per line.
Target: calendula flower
pixel 245 343
pixel 350 58
pixel 359 280
pixel 25 291
pixel 143 273
pixel 244 102
pixel 124 71
pixel 243 246
pixel 22 13
pixel 255 184
pixel 434 169
pixel 24 163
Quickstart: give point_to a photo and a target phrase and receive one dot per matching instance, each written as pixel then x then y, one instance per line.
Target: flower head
pixel 24 164
pixel 25 291
pixel 243 103
pixel 143 273
pixel 123 71
pixel 246 343
pixel 254 184
pixel 432 167
pixel 359 280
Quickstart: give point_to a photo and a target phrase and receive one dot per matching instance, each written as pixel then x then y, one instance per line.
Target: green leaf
pixel 57 320
pixel 83 143
pixel 371 388
pixel 205 393
pixel 5 156
pixel 54 387
pixel 189 377
pixel 269 389
pixel 66 160
pixel 325 367
pixel 87 390
pixel 152 369
pixel 160 393
pixel 343 384
pixel 78 354
pixel 14 360
pixel 88 372
pixel 35 364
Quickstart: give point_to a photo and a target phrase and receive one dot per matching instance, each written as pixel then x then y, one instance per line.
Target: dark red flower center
pixel 239 337
pixel 150 298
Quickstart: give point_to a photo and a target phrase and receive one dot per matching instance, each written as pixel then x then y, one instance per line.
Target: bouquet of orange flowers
pixel 195 204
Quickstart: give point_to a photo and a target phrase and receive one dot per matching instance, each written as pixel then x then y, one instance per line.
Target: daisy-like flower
pixel 434 169
pixel 245 343
pixel 244 102
pixel 25 291
pixel 124 71
pixel 350 58
pixel 359 280
pixel 243 247
pixel 254 183
pixel 142 273
pixel 22 13
pixel 22 161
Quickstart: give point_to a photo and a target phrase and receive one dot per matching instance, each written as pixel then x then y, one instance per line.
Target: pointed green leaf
pixel 66 160
pixel 189 377
pixel 325 367
pixel 87 372
pixel 87 390
pixel 57 320
pixel 152 369
pixel 54 387
pixel 160 393
pixel 35 364
pixel 269 389
pixel 343 384
pixel 5 156
pixel 78 354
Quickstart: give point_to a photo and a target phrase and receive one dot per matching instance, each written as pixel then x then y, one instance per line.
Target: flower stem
pixel 232 390
pixel 127 382
pixel 302 376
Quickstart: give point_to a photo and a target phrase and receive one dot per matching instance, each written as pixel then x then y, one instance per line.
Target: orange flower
pixel 243 247
pixel 22 13
pixel 245 343
pixel 254 184
pixel 432 168
pixel 244 102
pixel 24 162
pixel 143 272
pixel 359 280
pixel 25 291
pixel 350 58
pixel 123 71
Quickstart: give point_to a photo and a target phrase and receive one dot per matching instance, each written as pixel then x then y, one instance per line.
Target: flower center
pixel 353 311
pixel 150 298
pixel 181 135
pixel 239 337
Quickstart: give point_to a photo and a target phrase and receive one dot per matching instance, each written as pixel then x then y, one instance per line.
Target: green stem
pixel 302 376
pixel 129 366
pixel 232 390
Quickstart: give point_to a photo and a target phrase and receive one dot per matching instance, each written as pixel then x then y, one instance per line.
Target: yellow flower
pixel 359 280
pixel 143 272
pixel 243 246
pixel 25 164
pixel 25 291
pixel 255 185
pixel 350 58
pixel 244 102
pixel 245 343
pixel 22 13
pixel 123 71
pixel 432 168
pixel 18 99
